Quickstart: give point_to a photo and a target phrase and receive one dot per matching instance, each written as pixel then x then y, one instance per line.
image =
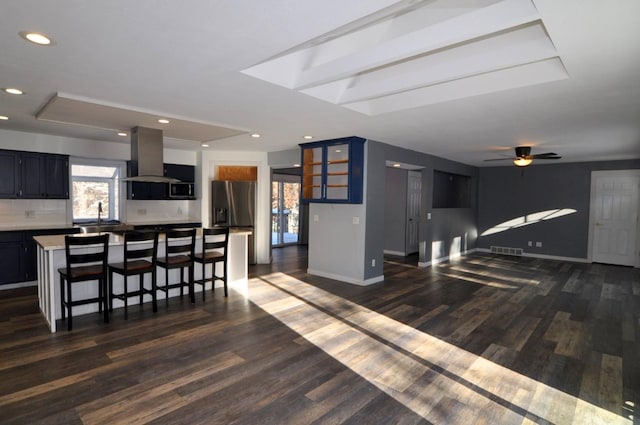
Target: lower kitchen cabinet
pixel 12 257
pixel 18 253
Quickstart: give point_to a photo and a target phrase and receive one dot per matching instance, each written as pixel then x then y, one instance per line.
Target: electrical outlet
pixel 356 220
pixel 316 218
pixel 428 216
pixel 180 212
pixel 29 213
pixel 373 262
pixel 538 244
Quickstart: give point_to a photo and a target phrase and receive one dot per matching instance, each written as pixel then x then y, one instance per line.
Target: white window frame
pixel 122 170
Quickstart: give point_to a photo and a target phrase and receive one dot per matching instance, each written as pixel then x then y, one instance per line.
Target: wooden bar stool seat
pixel 86 258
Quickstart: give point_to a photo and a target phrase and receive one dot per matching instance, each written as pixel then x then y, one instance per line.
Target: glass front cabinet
pixel 332 170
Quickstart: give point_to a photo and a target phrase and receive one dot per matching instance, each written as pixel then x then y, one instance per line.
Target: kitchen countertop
pixel 55 242
pixel 5 227
pixel 34 226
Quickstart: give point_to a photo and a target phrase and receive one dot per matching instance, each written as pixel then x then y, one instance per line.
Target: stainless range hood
pixel 147 157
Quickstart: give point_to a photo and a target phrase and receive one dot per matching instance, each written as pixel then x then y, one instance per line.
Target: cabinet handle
pixel 20 192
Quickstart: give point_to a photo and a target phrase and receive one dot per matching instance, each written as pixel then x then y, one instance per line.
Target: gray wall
pixel 395 210
pixel 506 193
pixel 445 226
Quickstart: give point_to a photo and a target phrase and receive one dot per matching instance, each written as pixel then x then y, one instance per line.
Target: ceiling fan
pixel 524 158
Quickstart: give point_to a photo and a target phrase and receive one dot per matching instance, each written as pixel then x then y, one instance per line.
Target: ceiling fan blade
pixel 548 155
pixel 499 159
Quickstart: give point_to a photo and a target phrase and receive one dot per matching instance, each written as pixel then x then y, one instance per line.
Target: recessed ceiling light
pixel 163 121
pixel 255 135
pixel 122 134
pixel 308 137
pixel 4 117
pixel 296 165
pixel 338 150
pixel 37 38
pixel 204 145
pixel 396 165
pixel 12 90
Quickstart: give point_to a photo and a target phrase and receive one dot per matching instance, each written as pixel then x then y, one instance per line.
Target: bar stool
pixel 86 261
pixel 215 242
pixel 138 259
pixel 179 250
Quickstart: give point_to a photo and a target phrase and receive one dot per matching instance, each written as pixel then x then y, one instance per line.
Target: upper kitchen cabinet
pixel 9 174
pixel 56 176
pixel 184 173
pixel 32 175
pixel 160 191
pixel 332 170
pixel 143 191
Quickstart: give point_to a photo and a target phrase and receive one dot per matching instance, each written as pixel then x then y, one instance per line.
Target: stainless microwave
pixel 182 190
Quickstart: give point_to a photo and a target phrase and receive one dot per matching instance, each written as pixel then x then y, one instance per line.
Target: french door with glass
pixel 285 210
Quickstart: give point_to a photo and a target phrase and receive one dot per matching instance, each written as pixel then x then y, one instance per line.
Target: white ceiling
pixel 461 79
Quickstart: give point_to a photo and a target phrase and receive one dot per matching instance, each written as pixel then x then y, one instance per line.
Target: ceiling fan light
pixel 522 162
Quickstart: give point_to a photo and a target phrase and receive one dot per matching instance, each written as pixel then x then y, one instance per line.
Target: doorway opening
pixel 285 210
pixel 403 206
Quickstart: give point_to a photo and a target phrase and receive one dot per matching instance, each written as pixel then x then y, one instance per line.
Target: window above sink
pixel 95 183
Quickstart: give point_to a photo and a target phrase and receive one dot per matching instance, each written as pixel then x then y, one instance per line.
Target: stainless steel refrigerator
pixel 233 204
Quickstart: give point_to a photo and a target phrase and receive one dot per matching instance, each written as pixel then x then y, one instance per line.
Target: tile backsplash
pixel 38 212
pixel 142 212
pixel 29 212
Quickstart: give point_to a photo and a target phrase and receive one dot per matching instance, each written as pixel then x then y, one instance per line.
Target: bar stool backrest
pixel 84 251
pixel 180 242
pixel 216 238
pixel 135 246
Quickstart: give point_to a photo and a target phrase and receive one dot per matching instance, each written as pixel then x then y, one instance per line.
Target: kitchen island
pixel 51 256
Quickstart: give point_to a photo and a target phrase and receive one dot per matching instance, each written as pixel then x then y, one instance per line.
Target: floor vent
pixel 506 250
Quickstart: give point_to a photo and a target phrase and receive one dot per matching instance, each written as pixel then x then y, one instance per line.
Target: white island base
pixel 51 256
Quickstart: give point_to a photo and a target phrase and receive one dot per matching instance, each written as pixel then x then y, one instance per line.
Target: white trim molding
pixel 346 279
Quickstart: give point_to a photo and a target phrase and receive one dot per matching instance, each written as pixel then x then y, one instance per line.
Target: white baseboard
pixel 545 257
pixel 346 279
pixel 398 253
pixel 19 285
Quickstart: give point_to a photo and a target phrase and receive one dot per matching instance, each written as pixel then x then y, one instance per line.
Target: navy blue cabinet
pixel 184 173
pixel 18 253
pixel 333 170
pixel 54 181
pixel 12 255
pixel 9 174
pixel 160 191
pixel 33 175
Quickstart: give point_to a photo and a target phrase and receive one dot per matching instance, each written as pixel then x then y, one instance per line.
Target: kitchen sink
pixel 111 228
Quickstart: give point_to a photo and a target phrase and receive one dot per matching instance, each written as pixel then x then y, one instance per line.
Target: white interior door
pixel 414 198
pixel 614 216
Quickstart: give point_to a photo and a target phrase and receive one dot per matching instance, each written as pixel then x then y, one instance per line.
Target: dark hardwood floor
pixel 482 339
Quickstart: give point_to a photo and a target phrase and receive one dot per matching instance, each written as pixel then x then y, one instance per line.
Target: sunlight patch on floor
pixel 418 370
pixel 495 275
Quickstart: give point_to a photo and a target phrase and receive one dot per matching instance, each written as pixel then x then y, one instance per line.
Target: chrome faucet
pixel 99 215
